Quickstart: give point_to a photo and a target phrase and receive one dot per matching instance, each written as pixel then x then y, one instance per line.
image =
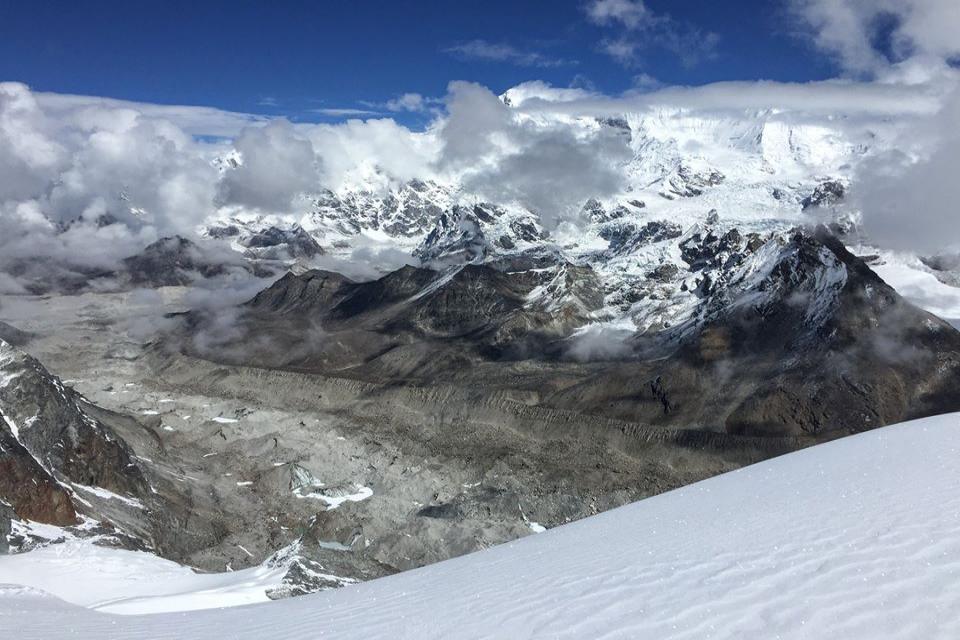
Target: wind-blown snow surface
pixel 858 538
pixel 121 581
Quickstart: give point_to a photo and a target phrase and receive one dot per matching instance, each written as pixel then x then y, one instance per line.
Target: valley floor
pixel 857 538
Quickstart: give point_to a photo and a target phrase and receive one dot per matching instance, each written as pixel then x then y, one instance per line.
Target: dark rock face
pixel 615 123
pixel 708 250
pixel 275 243
pixel 499 308
pixel 48 439
pixel 471 234
pixel 792 336
pixel 825 194
pixel 7 514
pixel 457 236
pixel 226 231
pixel 13 336
pixel 173 261
pixel 688 183
pixel 626 237
pixel 595 211
pixel 664 272
pixel 30 490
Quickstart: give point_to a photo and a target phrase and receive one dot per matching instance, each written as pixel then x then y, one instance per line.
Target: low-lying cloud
pixel 910 197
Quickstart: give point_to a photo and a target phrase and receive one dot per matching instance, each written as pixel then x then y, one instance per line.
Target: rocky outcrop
pixel 177 261
pixel 686 182
pixel 473 234
pixel 51 447
pixel 274 243
pixel 827 193
pixel 7 514
pixel 31 491
pixel 627 237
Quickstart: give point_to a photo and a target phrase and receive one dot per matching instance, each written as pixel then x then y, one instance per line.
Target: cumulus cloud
pixel 550 169
pixel 29 156
pixel 408 102
pixel 87 181
pixel 90 184
pixel 277 164
pixel 537 89
pixel 376 152
pixel 866 36
pixel 907 195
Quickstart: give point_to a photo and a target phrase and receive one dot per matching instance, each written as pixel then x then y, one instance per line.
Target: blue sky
pixel 295 58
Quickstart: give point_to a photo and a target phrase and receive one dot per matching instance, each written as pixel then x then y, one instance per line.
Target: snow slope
pixel 121 581
pixel 918 285
pixel 858 538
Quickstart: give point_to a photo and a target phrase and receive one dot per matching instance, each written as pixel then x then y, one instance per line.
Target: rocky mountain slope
pixel 784 334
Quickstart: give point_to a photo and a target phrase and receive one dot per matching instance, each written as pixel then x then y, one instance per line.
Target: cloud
pixel 502 52
pixel 550 169
pixel 341 112
pixel 599 342
pixel 277 164
pixel 193 120
pixel 638 29
pixel 537 89
pixel 866 36
pixel 87 181
pixel 408 102
pixel 633 14
pixel 909 196
pixel 825 99
pixel 646 82
pixel 377 152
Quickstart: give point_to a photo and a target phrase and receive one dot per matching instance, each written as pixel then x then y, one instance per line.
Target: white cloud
pixel 201 121
pixel 633 14
pixel 377 152
pixel 278 164
pixel 29 154
pixel 340 112
pixel 550 169
pixel 502 52
pixel 148 167
pixel 826 99
pixel 408 102
pixel 866 36
pixel 537 89
pixel 909 196
pixel 639 28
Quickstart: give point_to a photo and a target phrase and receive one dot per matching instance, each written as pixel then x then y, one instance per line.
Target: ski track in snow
pixel 858 538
